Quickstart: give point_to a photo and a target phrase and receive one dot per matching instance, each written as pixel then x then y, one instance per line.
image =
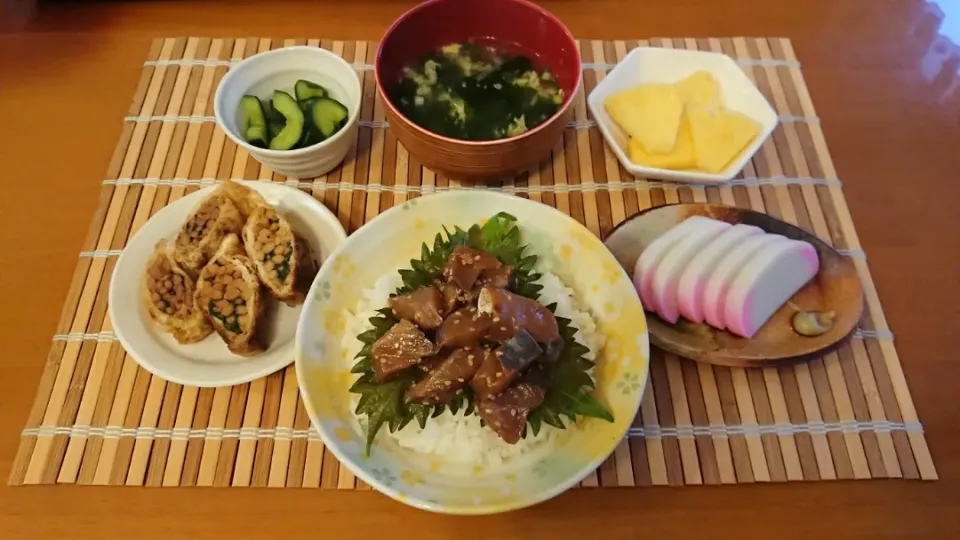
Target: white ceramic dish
pixel 437 482
pixel 209 363
pixel 279 69
pixel 649 64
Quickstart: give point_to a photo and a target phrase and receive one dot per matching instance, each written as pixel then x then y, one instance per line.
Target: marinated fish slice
pixel 451 295
pixel 274 249
pixel 168 294
pixel 500 331
pixel 507 413
pixel 404 345
pixel 424 306
pixel 503 366
pixel 465 264
pixel 516 312
pixel 246 199
pixel 205 229
pixel 229 294
pixel 519 352
pixel 429 363
pixel 498 278
pixel 443 382
pixel 463 327
pixel 492 377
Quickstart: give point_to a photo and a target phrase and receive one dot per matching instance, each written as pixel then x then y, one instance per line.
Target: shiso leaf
pixel 534 421
pixel 421 413
pixel 456 403
pixel 383 403
pixel 586 405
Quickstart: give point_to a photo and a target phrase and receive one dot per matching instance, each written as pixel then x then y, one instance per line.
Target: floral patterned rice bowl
pixel 428 481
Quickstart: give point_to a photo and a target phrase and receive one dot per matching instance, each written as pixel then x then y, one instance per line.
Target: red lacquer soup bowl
pixel 516 24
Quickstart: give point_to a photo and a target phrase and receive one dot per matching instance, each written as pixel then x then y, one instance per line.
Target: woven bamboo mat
pixel 100 419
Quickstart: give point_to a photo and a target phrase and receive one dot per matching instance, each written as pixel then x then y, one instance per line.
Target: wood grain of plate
pixel 836 287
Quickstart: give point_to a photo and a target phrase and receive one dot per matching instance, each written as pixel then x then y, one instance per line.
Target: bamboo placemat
pixel 99 418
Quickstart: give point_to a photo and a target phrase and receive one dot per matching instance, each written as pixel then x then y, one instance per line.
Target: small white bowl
pixel 279 69
pixel 649 64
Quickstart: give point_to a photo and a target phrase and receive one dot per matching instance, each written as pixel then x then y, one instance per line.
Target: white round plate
pixel 209 363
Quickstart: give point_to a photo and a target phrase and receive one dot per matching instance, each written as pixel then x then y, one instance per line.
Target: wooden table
pixel 894 134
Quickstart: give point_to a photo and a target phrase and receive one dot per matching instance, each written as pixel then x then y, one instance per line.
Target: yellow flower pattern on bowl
pixel 429 481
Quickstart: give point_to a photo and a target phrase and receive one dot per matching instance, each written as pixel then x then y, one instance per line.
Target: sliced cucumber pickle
pixel 274 129
pixel 287 122
pixel 255 124
pixel 328 115
pixel 256 135
pixel 273 117
pixel 292 131
pixel 305 90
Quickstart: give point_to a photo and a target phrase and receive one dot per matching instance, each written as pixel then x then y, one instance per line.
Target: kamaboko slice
pixel 168 294
pixel 206 227
pixel 283 262
pixel 229 294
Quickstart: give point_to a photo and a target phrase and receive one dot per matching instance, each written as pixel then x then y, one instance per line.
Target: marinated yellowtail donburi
pixel 467 331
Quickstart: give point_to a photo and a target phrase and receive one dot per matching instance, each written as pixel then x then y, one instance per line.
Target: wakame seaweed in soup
pixel 465 91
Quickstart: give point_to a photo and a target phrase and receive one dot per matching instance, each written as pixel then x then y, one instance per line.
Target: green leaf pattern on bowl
pixel 384 476
pixel 629 383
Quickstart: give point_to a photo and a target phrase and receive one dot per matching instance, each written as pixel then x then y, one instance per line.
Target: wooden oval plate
pixel 836 287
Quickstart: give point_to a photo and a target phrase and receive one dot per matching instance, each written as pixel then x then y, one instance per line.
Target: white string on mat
pixel 379 124
pixel 881 335
pixel 719 431
pixel 854 253
pixel 190 62
pixel 585 186
pixel 791 118
pixel 106 253
pixel 742 62
pixel 100 253
pixel 83 336
pixel 116 432
pixel 172 182
pixel 598 66
pixel 683 431
pixel 193 119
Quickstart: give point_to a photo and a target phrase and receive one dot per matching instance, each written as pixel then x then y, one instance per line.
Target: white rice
pixel 456 437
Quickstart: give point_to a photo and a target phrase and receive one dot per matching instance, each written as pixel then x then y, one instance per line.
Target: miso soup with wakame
pixel 477 93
